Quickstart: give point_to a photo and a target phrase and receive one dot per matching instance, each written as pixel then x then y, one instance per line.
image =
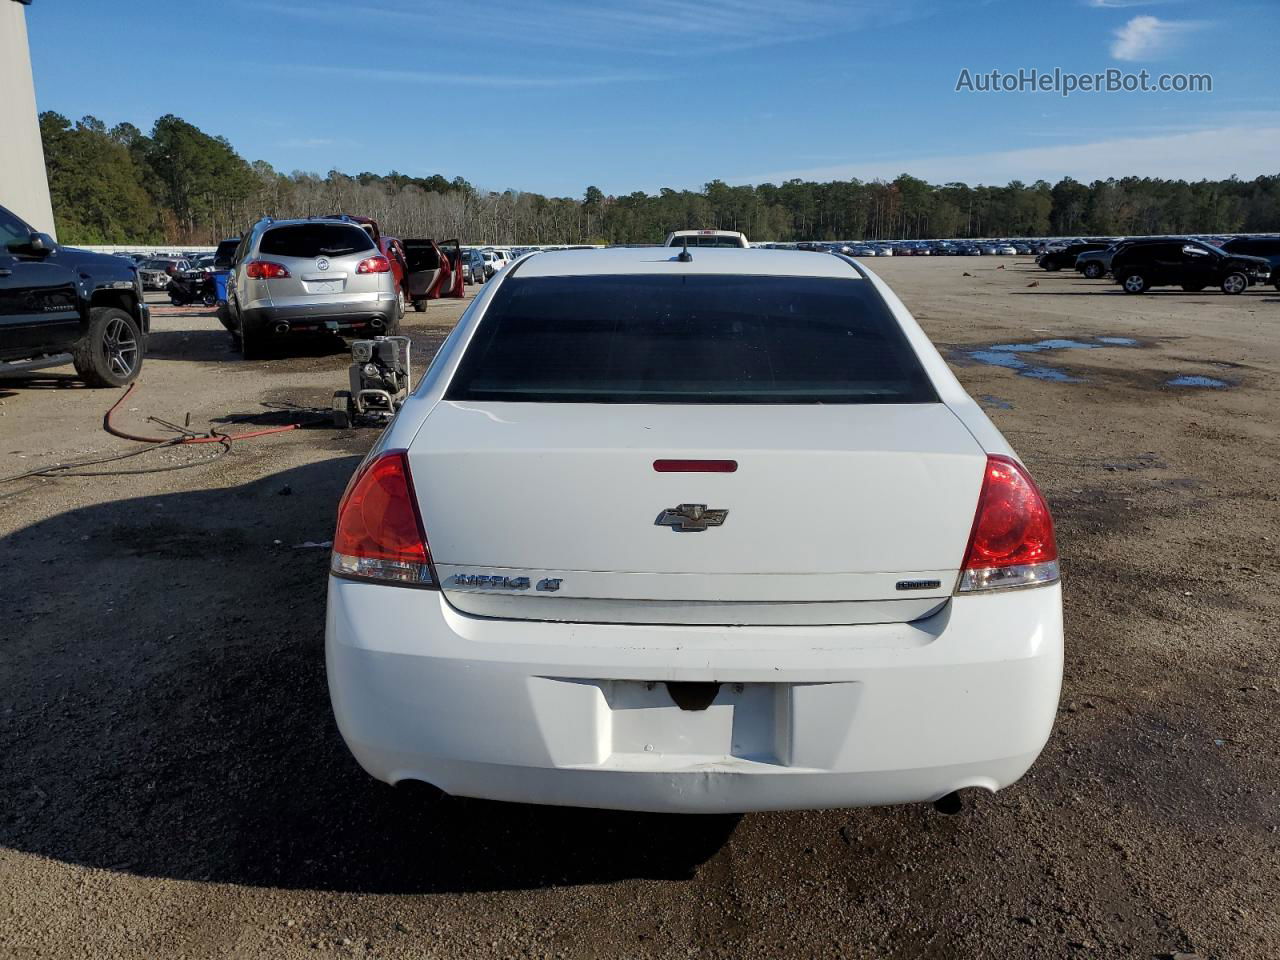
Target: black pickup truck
pixel 57 300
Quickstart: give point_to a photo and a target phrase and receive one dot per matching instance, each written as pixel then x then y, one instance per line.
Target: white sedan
pixel 713 535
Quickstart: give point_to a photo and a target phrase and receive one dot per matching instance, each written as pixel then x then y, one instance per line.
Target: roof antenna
pixel 685 256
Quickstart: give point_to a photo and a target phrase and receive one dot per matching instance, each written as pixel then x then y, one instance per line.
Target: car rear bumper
pixel 349 312
pixel 804 717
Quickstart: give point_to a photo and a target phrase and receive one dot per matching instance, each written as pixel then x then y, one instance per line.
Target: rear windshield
pixel 315 240
pixel 705 241
pixel 689 339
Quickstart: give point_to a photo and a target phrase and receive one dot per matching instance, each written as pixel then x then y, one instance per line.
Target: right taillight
pixel 380 535
pixel 1012 541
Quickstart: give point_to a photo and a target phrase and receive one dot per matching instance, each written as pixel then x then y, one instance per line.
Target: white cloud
pixel 654 27
pixel 1245 151
pixel 1149 38
pixel 437 77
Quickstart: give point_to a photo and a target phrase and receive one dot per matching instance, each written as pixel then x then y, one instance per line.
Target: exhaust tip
pixel 281 327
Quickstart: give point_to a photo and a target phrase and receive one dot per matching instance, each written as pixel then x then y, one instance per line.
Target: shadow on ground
pixel 165 713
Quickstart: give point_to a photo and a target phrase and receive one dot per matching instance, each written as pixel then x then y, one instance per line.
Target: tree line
pixel 178 184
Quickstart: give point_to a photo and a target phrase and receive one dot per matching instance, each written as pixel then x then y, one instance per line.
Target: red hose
pixel 210 438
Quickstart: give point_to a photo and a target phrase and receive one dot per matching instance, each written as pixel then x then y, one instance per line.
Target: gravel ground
pixel 172 783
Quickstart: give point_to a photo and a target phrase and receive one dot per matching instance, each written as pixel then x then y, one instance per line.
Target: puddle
pixel 1008 355
pixel 1197 381
pixel 996 403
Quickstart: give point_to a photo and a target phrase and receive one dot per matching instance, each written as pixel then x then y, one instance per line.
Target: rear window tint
pixel 705 241
pixel 315 240
pixel 689 339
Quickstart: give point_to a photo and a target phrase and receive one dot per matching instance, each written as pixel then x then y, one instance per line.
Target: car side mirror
pixel 36 243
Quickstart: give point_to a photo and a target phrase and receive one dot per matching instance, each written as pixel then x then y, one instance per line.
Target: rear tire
pixel 1134 283
pixel 1235 284
pixel 110 352
pixel 1092 270
pixel 399 304
pixel 420 305
pixel 250 343
pixel 1051 267
pixel 342 410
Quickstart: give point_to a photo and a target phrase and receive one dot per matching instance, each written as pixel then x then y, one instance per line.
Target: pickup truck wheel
pixel 110 352
pixel 1235 283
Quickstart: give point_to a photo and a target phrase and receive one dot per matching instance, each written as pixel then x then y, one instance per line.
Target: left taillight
pixel 1012 542
pixel 380 535
pixel 374 265
pixel 265 270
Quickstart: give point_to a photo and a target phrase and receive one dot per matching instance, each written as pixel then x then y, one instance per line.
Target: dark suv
pixel 1066 257
pixel 1266 247
pixel 1190 264
pixel 57 300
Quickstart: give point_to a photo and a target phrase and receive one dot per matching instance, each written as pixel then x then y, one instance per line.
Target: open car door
pixel 432 272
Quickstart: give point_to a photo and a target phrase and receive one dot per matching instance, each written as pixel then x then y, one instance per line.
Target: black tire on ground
pixel 1276 283
pixel 400 303
pixel 1235 283
pixel 342 410
pixel 250 343
pixel 420 305
pixel 1134 283
pixel 1193 287
pixel 1092 270
pixel 111 350
pixel 1051 267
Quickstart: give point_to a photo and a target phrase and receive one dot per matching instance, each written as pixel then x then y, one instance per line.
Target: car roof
pixel 706 260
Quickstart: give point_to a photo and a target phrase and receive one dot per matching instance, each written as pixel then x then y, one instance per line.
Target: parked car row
pixel 1232 264
pixel 913 248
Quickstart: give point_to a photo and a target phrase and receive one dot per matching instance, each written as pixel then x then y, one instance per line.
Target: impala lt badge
pixel 490 581
pixel 691 517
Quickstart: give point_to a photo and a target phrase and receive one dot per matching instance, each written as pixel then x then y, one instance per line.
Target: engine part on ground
pixel 379 378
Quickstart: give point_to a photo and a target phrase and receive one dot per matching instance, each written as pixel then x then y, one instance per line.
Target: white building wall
pixel 24 188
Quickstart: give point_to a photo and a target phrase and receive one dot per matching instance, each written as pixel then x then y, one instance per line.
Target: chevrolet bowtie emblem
pixel 690 517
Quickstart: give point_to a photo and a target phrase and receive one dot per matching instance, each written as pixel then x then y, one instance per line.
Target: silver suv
pixel 311 275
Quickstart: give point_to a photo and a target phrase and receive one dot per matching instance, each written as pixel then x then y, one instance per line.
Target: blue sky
pixel 550 95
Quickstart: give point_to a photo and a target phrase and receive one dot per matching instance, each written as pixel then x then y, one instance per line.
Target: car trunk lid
pixel 854 513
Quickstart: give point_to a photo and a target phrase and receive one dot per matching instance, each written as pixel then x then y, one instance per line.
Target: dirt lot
pixel 172 783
